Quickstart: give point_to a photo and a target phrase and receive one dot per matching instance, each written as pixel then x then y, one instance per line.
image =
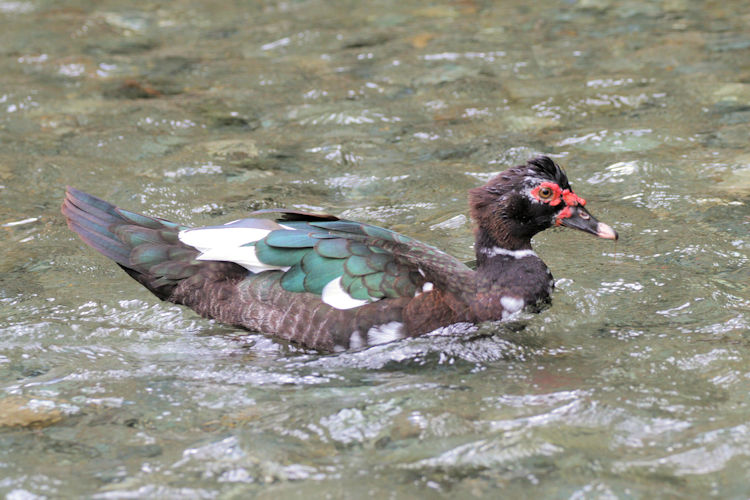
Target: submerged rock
pixel 18 411
pixel 233 150
pixel 735 93
pixel 738 179
pixel 528 122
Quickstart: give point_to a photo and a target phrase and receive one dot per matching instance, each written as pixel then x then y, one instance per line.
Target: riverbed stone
pixel 19 411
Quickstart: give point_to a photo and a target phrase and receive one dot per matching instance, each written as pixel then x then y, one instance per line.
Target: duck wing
pixel 348 264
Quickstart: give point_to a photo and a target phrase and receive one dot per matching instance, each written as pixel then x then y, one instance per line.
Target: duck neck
pixel 509 269
pixel 491 250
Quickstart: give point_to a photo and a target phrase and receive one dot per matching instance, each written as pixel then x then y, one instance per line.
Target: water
pixel 634 383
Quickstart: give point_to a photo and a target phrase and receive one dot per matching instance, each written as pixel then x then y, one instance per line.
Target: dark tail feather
pixel 92 219
pixel 147 248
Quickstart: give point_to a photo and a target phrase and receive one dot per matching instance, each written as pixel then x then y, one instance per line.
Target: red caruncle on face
pixel 571 199
pixel 549 192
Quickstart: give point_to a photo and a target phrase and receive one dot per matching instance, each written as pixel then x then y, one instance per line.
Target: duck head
pixel 522 201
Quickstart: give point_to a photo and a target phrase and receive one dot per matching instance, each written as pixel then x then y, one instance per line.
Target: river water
pixel 634 383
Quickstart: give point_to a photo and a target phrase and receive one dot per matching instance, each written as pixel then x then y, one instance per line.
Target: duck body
pixel 332 284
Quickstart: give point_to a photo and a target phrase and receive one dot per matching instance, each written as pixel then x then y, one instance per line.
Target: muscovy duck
pixel 332 284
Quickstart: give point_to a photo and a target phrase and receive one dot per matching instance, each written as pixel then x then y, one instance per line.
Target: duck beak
pixel 579 218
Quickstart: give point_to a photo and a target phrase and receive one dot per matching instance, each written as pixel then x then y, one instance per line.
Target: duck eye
pixel 545 192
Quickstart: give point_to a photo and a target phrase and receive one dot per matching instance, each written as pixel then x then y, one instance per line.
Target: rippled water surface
pixel 635 383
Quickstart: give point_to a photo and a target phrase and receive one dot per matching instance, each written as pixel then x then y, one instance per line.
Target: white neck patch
pixel 516 254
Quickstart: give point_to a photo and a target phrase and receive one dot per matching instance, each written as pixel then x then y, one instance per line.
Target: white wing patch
pixel 387 332
pixel 244 256
pixel 511 305
pixel 225 244
pixel 219 237
pixel 356 341
pixel 335 296
pixel 427 287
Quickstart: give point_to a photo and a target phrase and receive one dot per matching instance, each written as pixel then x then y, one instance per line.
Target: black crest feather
pixel 549 168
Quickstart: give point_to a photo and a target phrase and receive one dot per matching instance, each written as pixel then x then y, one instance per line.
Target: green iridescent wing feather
pixel 372 262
